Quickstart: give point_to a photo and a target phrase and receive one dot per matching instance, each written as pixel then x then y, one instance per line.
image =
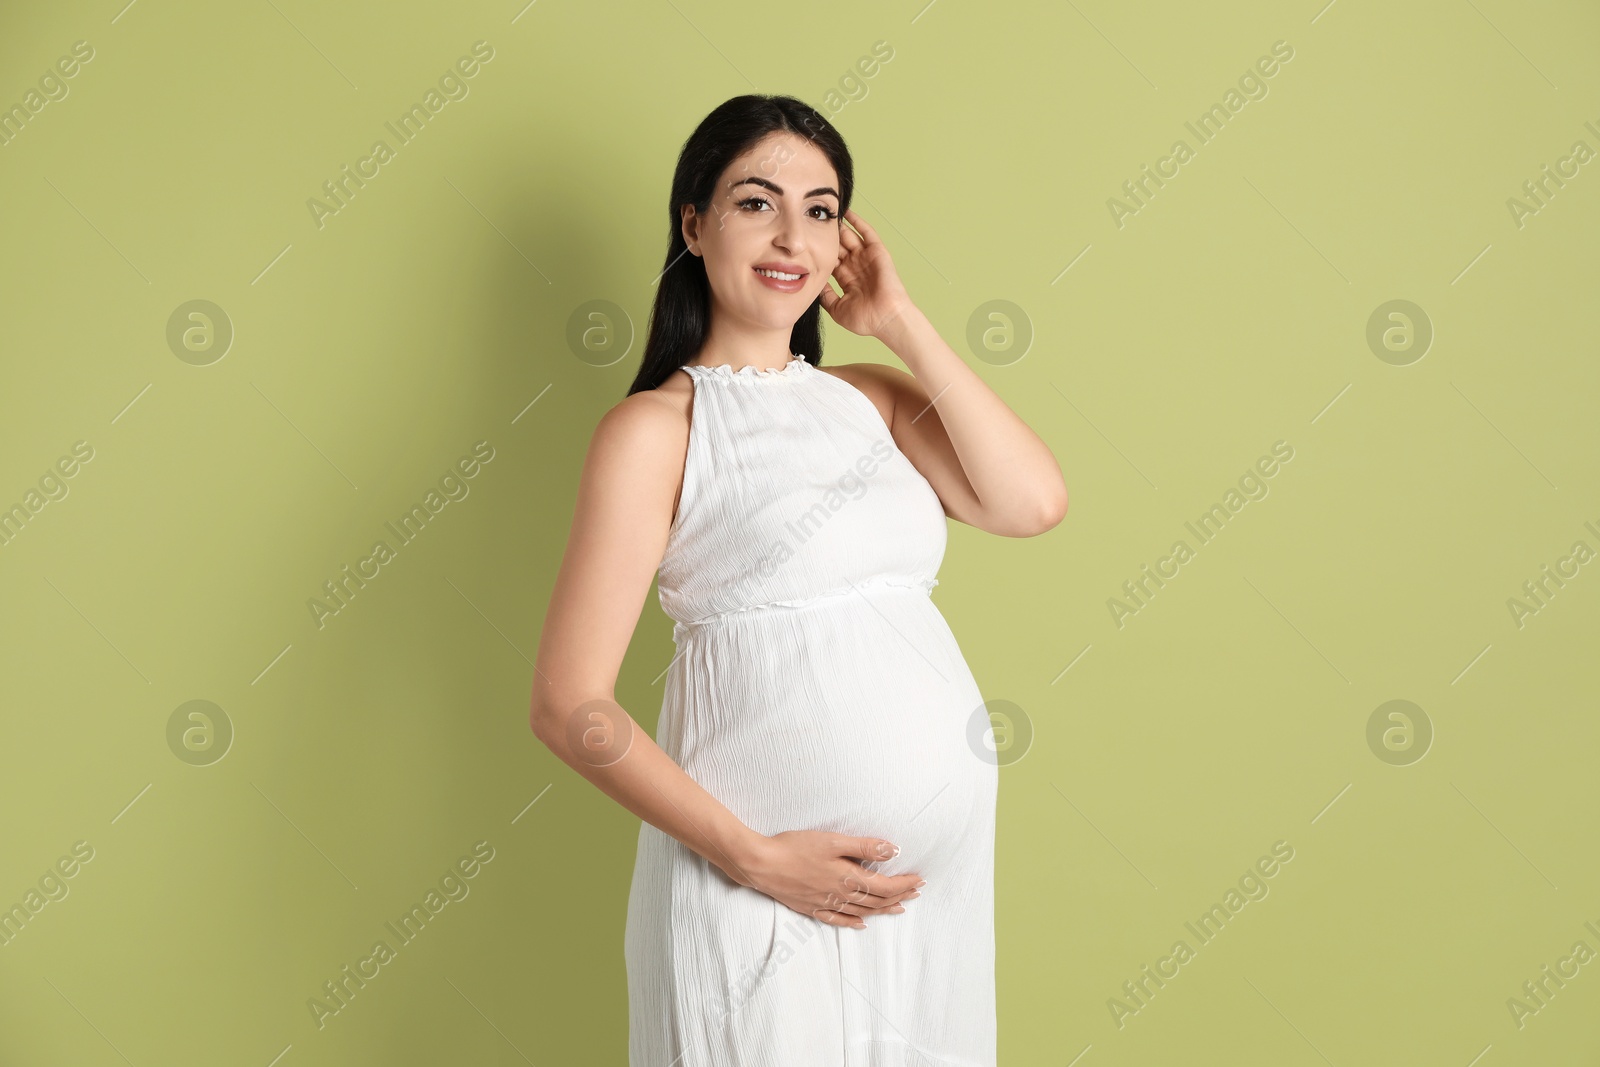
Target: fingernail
pixel 912 896
pixel 922 883
pixel 896 910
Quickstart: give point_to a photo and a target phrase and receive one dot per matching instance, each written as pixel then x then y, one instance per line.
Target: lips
pixel 782 285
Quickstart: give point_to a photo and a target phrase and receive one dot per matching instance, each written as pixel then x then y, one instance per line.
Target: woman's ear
pixel 691 228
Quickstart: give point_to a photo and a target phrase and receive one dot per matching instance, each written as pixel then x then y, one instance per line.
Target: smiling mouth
pixel 778 274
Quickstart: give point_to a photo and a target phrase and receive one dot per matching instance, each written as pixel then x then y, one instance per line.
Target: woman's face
pixel 774 207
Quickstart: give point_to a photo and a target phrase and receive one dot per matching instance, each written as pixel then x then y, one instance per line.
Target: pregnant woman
pixel 814 882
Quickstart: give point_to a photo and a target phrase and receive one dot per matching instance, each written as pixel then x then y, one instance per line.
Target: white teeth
pixel 778 274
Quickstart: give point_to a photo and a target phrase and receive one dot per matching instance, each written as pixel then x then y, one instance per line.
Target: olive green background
pixel 1435 869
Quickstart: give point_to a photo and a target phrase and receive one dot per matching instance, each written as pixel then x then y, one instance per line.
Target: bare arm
pixel 619 533
pixel 988 468
pixel 1020 500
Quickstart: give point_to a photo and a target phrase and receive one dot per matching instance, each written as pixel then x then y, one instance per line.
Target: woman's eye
pixel 749 203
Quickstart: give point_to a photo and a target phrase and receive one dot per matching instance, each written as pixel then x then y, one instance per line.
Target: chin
pixel 780 309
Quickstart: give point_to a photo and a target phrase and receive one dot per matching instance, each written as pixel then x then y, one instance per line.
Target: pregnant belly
pixel 852 718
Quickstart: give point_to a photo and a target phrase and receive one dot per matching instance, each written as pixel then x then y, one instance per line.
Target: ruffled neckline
pixel 727 372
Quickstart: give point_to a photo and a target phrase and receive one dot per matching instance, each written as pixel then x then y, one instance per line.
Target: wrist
pixel 740 855
pixel 898 330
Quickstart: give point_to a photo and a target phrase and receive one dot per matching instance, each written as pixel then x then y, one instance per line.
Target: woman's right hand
pixel 820 874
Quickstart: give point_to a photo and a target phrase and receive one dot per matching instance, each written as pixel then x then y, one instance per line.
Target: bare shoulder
pixel 638 448
pixel 881 384
pixel 648 425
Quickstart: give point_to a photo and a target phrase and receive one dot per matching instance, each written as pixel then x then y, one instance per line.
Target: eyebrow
pixel 819 191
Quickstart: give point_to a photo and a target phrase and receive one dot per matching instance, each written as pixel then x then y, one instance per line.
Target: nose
pixel 789 235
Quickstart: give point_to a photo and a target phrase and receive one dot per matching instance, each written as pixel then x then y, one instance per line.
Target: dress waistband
pixel 683 629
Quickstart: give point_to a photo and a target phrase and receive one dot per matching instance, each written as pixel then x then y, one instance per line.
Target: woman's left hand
pixel 873 296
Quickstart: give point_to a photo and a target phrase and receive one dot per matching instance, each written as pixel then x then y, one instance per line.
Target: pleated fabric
pixel 816 686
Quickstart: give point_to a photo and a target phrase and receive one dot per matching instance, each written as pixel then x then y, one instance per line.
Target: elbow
pixel 543 702
pixel 544 727
pixel 1051 511
pixel 561 718
pixel 539 718
pixel 1026 519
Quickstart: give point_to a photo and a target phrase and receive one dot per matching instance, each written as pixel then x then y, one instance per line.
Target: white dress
pixel 816 687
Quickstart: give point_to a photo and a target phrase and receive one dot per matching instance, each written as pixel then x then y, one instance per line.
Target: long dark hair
pixel 681 316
